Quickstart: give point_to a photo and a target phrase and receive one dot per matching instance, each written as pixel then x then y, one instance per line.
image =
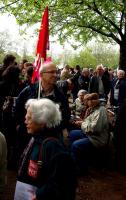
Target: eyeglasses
pixel 51 72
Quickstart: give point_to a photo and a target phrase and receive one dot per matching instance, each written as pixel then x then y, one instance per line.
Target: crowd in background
pixel 86 97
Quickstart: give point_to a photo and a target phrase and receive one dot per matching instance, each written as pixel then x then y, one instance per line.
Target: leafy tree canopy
pixel 81 19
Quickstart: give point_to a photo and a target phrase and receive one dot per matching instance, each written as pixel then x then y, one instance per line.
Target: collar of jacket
pixel 45 133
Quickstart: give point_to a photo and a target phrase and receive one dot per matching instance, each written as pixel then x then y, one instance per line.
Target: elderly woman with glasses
pixel 93 133
pixel 46 169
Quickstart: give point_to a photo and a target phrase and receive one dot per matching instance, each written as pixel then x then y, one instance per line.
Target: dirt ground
pixel 98 185
pixel 102 185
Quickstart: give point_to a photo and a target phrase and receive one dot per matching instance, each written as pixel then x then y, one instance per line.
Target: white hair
pixel 44 111
pixel 100 66
pixel 85 70
pixel 82 92
pixel 120 71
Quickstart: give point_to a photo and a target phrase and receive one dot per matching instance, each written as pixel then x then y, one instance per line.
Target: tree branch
pixel 121 19
pixel 95 8
pixel 9 4
pixel 103 33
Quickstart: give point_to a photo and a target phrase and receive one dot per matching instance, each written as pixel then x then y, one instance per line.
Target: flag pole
pixel 39 89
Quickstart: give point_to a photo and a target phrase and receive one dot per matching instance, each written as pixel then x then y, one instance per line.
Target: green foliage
pixel 91 57
pixel 106 54
pixel 30 58
pixel 76 18
pixel 84 59
pixel 2 55
pixel 18 57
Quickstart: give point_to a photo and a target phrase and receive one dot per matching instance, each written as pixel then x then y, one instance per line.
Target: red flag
pixel 43 39
pixel 36 64
pixel 42 44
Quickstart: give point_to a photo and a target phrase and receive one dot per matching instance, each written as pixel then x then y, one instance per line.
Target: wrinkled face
pixel 120 74
pixel 49 74
pixel 81 97
pixel 85 73
pixel 32 127
pixel 100 70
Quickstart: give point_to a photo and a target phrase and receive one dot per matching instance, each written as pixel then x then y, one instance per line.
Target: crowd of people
pixel 52 129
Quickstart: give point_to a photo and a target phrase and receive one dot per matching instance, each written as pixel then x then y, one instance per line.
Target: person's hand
pixel 65 133
pixel 78 123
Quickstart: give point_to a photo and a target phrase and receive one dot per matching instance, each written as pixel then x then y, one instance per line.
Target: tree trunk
pixel 122 61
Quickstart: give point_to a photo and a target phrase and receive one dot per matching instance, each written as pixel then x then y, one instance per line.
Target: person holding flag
pixel 47 88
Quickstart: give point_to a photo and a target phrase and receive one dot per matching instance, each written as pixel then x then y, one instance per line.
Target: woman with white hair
pixel 78 106
pixel 44 112
pixel 46 170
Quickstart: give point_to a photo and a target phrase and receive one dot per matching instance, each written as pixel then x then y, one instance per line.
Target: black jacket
pixel 94 85
pixel 56 177
pixel 31 92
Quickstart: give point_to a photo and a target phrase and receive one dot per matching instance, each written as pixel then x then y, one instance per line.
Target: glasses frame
pixel 51 72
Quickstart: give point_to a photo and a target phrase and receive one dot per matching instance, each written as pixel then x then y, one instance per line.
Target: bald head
pixel 48 74
pixel 45 67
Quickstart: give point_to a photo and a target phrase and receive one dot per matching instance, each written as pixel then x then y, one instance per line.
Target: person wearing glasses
pixel 48 89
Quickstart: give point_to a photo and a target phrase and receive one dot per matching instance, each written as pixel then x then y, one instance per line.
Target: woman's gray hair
pixel 44 111
pixel 82 92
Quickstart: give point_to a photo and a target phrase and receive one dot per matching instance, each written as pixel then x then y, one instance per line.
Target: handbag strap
pixel 24 155
pixel 41 149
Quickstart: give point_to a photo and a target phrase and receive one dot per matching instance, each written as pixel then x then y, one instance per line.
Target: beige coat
pixel 96 126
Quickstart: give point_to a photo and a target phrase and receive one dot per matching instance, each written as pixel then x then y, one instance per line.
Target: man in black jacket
pixel 100 83
pixel 48 89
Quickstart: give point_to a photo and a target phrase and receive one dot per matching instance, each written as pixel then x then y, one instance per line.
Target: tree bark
pixel 122 61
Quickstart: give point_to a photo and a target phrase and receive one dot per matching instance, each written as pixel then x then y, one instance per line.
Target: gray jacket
pixel 96 126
